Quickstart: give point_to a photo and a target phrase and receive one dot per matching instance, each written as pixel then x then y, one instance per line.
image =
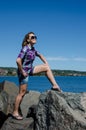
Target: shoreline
pixel 9 71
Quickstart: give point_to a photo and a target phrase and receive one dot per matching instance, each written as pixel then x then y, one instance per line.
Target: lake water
pixel 40 83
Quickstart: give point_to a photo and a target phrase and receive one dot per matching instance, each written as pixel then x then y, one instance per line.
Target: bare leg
pixel 22 91
pixel 45 68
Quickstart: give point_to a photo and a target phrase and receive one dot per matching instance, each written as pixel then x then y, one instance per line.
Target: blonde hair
pixel 25 42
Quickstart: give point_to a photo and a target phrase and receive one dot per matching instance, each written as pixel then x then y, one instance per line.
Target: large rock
pixel 3 107
pixel 3 101
pixel 9 87
pixel 8 92
pixel 61 111
pixel 30 99
pixel 50 110
pixel 12 90
pixel 12 124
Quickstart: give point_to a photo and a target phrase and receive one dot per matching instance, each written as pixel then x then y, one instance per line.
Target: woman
pixel 25 68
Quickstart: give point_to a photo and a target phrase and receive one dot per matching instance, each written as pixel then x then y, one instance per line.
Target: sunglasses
pixel 34 37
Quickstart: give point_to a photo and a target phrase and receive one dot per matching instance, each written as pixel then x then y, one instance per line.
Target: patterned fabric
pixel 27 55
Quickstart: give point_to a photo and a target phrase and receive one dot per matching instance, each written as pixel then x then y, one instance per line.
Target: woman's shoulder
pixel 25 48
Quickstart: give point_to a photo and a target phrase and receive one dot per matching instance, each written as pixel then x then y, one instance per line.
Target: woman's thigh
pixel 40 68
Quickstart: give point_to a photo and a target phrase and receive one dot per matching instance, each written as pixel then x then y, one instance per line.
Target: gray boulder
pixel 61 111
pixel 9 87
pixel 3 107
pixel 12 90
pixel 12 124
pixel 3 101
pixel 8 92
pixel 30 99
pixel 49 110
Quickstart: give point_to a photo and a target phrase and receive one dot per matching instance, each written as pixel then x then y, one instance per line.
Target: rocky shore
pixel 49 110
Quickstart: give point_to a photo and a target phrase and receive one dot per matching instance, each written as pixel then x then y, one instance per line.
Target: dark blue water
pixel 40 83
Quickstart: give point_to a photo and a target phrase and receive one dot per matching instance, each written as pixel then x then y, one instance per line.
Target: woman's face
pixel 32 38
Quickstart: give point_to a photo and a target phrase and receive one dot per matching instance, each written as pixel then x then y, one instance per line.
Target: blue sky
pixel 60 26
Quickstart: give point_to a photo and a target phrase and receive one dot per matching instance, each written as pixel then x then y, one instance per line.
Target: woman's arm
pixel 19 64
pixel 43 58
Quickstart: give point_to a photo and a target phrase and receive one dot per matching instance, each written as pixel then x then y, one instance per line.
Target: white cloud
pixel 66 59
pixel 80 59
pixel 57 59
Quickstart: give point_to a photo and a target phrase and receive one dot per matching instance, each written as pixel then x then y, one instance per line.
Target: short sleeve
pixel 37 53
pixel 22 52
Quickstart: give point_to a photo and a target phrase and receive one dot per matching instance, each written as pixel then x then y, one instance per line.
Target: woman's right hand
pixel 24 73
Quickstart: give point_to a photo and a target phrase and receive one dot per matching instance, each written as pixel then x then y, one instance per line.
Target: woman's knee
pixel 22 92
pixel 23 89
pixel 41 68
pixel 47 67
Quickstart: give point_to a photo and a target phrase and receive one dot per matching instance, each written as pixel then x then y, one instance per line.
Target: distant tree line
pixel 11 71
